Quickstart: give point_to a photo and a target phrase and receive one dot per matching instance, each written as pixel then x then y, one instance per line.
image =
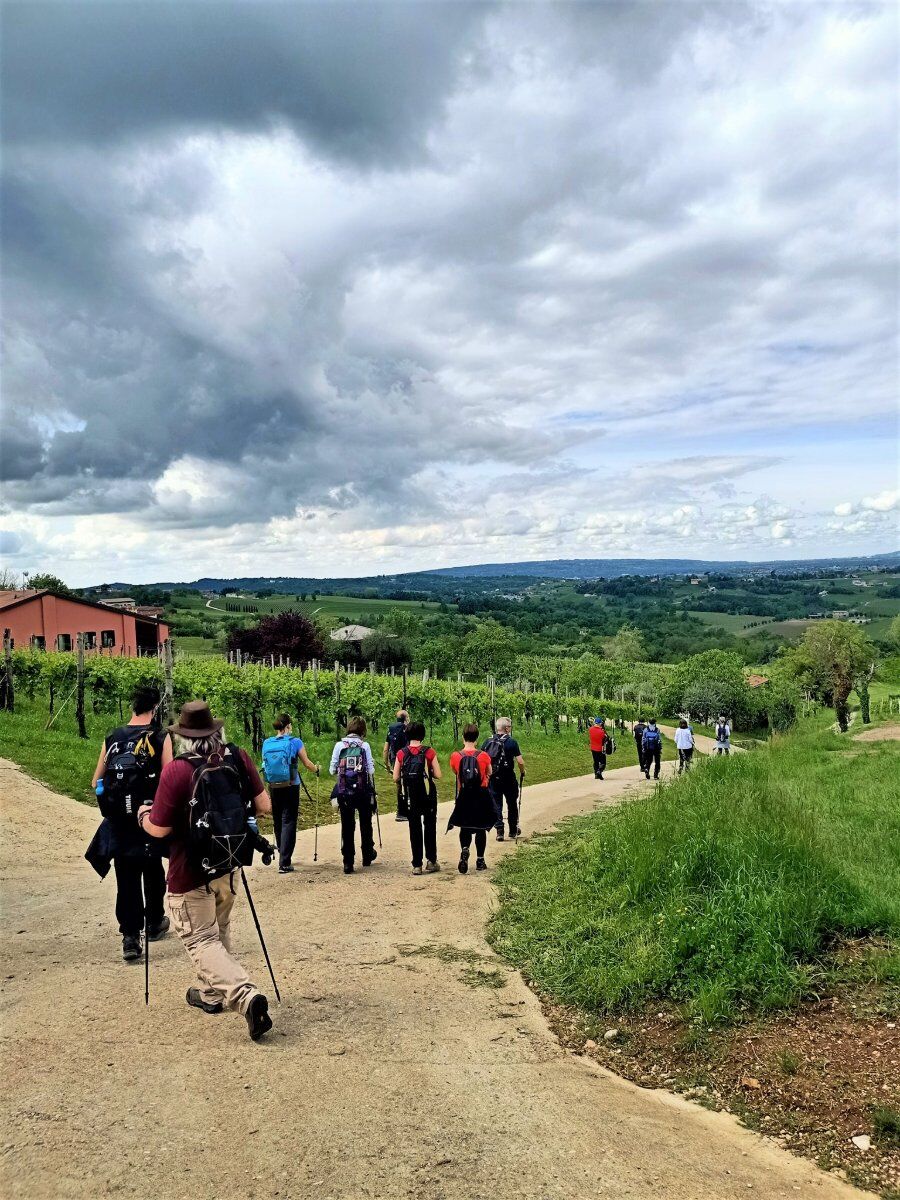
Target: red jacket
pixel 598 736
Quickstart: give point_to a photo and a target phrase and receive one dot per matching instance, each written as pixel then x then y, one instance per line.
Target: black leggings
pixel 285 810
pixel 465 840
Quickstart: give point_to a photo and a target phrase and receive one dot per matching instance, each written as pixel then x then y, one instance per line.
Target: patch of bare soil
pixel 883 733
pixel 814 1079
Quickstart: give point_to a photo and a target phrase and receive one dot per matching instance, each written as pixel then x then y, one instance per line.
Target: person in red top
pixel 474 812
pixel 415 768
pixel 599 742
pixel 201 911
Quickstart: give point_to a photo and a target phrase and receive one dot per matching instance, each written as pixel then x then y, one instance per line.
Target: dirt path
pixel 394 1070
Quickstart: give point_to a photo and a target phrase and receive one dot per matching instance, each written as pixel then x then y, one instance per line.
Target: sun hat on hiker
pixel 196 721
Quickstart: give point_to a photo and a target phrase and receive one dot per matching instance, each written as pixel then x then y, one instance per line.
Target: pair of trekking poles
pixel 315 804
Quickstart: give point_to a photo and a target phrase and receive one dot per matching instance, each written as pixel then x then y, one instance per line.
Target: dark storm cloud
pixel 363 80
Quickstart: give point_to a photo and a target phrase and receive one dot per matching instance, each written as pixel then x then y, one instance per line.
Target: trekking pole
pixel 146 955
pixel 262 940
pixel 377 818
pixel 521 802
pixel 316 803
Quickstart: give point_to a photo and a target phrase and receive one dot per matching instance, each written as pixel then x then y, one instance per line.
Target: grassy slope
pixel 63 761
pixel 722 891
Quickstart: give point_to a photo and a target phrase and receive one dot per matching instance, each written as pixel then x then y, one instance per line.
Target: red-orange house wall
pixel 48 616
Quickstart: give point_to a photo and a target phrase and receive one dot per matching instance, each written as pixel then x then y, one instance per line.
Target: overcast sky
pixel 349 289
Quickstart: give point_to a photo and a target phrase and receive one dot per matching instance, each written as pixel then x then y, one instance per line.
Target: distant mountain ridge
pixel 559 568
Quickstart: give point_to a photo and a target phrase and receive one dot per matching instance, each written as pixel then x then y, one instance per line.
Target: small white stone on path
pixel 862 1141
pixel 610 1035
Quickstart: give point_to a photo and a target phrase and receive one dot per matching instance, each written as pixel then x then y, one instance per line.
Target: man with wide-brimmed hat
pixel 201 907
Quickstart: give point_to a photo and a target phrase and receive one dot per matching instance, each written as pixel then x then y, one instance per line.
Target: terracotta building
pixel 51 622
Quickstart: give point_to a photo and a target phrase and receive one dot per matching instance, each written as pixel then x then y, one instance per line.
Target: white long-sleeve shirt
pixel 367 752
pixel 684 739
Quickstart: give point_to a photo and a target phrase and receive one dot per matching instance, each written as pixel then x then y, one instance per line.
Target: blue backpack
pixel 277 760
pixel 652 737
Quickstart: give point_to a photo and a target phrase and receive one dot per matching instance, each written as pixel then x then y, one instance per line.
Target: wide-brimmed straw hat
pixel 196 721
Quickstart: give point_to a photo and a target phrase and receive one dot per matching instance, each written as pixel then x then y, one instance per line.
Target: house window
pixel 90 641
pixel 108 639
pixel 64 641
pixel 38 642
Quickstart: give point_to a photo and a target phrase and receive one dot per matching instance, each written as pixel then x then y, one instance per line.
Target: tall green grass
pixel 723 891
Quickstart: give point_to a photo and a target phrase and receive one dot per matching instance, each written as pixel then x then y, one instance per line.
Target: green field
pixel 731 622
pixel 349 609
pixel 723 892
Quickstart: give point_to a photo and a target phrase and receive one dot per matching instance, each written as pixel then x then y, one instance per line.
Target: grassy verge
pixel 722 892
pixel 65 762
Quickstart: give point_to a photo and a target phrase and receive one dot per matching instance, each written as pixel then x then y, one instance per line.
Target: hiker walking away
pixel 684 742
pixel 601 745
pixel 397 738
pixel 127 775
pixel 638 731
pixel 354 793
pixel 210 782
pixel 723 736
pixel 474 812
pixel 505 755
pixel 652 749
pixel 415 770
pixel 280 754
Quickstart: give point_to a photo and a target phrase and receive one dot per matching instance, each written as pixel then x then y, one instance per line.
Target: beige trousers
pixel 202 920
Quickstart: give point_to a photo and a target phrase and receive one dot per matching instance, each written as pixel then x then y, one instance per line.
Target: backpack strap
pixel 241 772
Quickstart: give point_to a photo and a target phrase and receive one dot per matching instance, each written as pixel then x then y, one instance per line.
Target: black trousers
pixel 599 763
pixel 506 788
pixel 140 880
pixel 652 758
pixel 285 812
pixel 349 810
pixel 423 831
pixel 480 835
pixel 402 806
pixel 639 745
pixel 684 759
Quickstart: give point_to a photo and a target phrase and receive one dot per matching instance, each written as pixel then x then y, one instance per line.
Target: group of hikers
pixel 188 794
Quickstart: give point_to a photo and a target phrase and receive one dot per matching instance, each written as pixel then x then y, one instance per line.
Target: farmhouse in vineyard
pixel 51 622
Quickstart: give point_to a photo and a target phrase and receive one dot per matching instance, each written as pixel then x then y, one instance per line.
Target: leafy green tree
pixel 709 683
pixel 403 622
pixel 832 659
pixel 52 583
pixel 490 649
pixel 385 650
pixel 440 654
pixel 627 646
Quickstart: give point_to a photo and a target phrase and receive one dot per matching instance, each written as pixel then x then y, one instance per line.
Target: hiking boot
pixel 417 870
pixel 195 1000
pixel 370 858
pixel 514 833
pixel 463 862
pixel 348 868
pixel 431 867
pixel 131 948
pixel 155 932
pixel 480 864
pixel 647 774
pixel 500 837
pixel 258 1019
pixel 286 870
pixel 399 818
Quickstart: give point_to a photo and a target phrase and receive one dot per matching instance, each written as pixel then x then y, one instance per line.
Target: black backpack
pixel 413 774
pixel 219 837
pixel 397 739
pixel 469 773
pixel 133 764
pixel 495 748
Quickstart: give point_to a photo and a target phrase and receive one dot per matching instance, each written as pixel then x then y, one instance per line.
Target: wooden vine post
pixel 7 694
pixel 169 694
pixel 79 685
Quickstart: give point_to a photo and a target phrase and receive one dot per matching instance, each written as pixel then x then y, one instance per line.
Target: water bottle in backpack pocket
pixel 219 811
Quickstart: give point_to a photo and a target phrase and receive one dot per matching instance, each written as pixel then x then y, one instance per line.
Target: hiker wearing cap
pixel 638 733
pixel 474 812
pixel 200 905
pixel 397 738
pixel 280 755
pixel 600 744
pixel 652 749
pixel 684 743
pixel 127 775
pixel 415 771
pixel 354 793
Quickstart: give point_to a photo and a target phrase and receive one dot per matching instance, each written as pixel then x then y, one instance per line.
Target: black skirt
pixel 474 809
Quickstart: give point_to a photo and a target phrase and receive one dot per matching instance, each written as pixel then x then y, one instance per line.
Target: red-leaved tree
pixel 286 633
